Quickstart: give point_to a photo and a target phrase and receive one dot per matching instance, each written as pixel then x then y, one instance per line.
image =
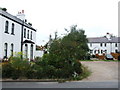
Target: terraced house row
pixel 16 35
pixel 104 45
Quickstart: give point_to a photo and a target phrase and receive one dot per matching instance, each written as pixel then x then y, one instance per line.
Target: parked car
pixel 109 57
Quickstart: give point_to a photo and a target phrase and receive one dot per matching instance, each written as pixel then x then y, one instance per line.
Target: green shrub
pixel 38 58
pixel 16 74
pixel 30 74
pixel 40 73
pixel 20 66
pixel 49 71
pixel 77 67
pixel 7 70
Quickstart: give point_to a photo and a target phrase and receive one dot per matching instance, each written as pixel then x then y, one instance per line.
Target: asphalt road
pixel 60 85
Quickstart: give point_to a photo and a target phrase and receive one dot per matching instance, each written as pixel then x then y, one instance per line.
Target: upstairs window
pixel 101 44
pixel 115 44
pixel 105 44
pixel 12 31
pixel 31 35
pixel 28 34
pixel 24 33
pixel 6 26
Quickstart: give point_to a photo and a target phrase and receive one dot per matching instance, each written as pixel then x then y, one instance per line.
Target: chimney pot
pixel 22 11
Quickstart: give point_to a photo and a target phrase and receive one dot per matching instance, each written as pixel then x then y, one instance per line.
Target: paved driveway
pixel 102 70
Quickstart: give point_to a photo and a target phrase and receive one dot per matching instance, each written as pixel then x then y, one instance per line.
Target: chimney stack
pixel 21 15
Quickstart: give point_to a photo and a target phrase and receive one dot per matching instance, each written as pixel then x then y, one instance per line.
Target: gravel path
pixel 102 70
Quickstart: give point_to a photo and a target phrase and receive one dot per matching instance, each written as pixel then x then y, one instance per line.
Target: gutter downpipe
pixel 22 39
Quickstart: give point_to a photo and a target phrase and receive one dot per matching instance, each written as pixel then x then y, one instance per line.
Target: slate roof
pixel 15 19
pixel 103 40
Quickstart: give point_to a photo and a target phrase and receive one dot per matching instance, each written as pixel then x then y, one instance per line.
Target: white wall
pixel 9 39
pixel 1 36
pixel 39 53
pixel 109 47
pixel 14 39
pixel 33 40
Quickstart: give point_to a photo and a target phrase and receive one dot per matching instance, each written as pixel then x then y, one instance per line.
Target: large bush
pixel 6 70
pixel 65 52
pixel 16 67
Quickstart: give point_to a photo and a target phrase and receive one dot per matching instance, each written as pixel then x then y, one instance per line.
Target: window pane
pixel 105 44
pixel 115 44
pixel 31 35
pixel 28 35
pixel 6 26
pixel 31 52
pixel 11 49
pixel 26 50
pixel 24 33
pixel 12 32
pixel 5 50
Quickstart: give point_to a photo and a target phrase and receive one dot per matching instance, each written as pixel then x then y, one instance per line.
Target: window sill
pixel 12 34
pixel 7 32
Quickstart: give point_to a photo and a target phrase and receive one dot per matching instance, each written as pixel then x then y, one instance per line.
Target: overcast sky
pixel 96 17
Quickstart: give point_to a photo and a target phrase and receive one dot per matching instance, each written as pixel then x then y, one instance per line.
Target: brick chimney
pixel 21 15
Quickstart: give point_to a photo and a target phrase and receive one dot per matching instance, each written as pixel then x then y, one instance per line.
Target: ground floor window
pixel 116 51
pixel 5 50
pixel 105 51
pixel 31 52
pixel 95 51
pixel 101 51
pixel 26 50
pixel 12 49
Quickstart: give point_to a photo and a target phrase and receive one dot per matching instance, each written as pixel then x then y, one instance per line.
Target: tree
pixel 65 53
pixel 72 46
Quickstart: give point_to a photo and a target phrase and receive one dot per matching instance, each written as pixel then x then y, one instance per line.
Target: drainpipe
pixel 22 38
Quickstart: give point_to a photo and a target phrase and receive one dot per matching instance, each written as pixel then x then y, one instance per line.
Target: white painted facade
pixel 39 53
pixel 17 38
pixel 110 47
pixel 103 45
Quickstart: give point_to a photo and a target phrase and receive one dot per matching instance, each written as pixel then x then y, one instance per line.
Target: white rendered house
pixel 16 35
pixel 106 45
